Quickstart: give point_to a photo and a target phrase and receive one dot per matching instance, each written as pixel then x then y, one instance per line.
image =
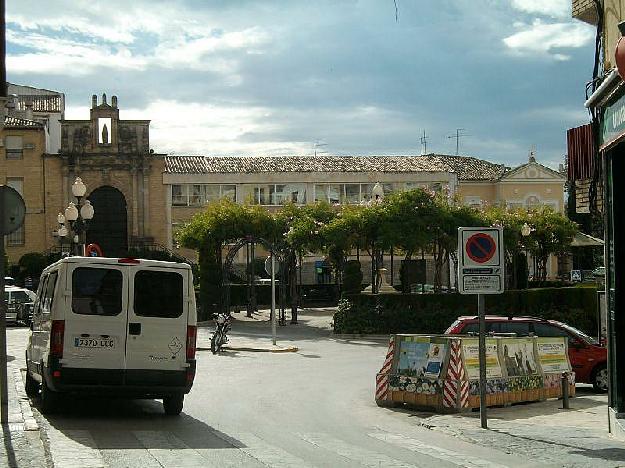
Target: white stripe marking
pixel 433 451
pixel 354 453
pixel 267 454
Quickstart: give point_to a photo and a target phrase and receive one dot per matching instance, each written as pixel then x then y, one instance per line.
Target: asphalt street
pixel 313 407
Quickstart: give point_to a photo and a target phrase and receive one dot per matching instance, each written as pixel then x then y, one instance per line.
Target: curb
pixel 254 349
pixel 30 424
pixel 355 336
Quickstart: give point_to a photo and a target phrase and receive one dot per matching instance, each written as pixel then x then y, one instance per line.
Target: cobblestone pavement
pixel 22 445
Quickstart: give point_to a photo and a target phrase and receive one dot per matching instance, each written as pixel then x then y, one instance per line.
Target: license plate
pixel 94 343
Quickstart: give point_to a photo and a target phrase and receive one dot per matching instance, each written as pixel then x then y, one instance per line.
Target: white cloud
pixel 540 38
pixel 207 129
pixel 555 8
pixel 62 56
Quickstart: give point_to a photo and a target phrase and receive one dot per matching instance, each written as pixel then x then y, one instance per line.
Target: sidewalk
pixel 541 431
pixel 22 445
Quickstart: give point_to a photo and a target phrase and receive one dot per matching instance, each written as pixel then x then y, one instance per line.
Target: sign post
pixel 481 270
pixel 12 211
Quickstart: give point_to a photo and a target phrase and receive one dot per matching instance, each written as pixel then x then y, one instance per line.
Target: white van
pixel 109 326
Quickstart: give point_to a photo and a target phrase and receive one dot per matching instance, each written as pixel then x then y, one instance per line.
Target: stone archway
pixel 109 226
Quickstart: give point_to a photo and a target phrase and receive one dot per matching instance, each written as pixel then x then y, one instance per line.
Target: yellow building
pixel 24 169
pixel 139 197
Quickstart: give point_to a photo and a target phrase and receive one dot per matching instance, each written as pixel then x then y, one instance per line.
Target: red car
pixel 588 358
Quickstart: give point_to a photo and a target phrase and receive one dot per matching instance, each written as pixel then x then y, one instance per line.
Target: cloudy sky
pixel 246 77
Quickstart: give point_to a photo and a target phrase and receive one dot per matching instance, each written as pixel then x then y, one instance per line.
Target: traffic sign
pixel 480 260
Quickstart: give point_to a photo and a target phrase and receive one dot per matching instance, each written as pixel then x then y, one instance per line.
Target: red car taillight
pixel 57 334
pixel 191 341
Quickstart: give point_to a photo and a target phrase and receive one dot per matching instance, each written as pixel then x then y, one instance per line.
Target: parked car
pixel 108 326
pixel 588 357
pixel 15 297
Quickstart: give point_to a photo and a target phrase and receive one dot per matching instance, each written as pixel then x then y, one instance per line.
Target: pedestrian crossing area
pixel 73 448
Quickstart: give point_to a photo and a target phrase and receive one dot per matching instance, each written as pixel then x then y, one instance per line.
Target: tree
pixel 551 234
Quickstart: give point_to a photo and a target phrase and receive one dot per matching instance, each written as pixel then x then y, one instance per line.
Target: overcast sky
pixel 245 77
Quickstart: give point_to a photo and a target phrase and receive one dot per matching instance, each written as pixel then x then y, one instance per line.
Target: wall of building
pixel 29 170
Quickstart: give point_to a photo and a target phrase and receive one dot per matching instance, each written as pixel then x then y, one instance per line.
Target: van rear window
pixel 96 291
pixel 158 294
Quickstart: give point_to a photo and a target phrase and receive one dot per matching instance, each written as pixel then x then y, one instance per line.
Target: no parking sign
pixel 480 261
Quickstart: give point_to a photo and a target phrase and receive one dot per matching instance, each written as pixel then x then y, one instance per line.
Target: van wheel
pixel 49 399
pixel 31 385
pixel 600 379
pixel 172 404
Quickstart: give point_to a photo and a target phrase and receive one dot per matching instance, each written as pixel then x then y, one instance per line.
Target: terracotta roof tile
pixel 467 168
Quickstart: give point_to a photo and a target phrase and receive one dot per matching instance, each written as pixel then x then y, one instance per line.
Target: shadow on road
pixel 134 424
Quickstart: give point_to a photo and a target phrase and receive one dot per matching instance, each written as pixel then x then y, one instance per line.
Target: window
pixel 211 193
pixel 97 291
pixel 279 194
pixel 16 237
pixel 14 147
pixel 48 293
pixel 179 195
pixel 352 193
pixel 520 328
pixel 197 195
pixel 158 294
pixel 229 192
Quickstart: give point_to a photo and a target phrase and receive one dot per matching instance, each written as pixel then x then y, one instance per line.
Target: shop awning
pixel 584 240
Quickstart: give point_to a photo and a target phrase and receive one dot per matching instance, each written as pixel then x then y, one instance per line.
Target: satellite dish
pixel 13 209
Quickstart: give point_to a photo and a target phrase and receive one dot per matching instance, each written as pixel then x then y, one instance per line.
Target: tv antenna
pixel 457 137
pixel 319 144
pixel 424 143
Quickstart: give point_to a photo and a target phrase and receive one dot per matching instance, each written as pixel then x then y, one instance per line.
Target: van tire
pixel 31 386
pixel 49 398
pixel 172 404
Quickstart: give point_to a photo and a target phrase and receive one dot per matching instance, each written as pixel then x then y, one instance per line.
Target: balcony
pixel 584 10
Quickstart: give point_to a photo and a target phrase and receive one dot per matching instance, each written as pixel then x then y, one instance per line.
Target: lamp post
pixel 78 216
pixel 526 230
pixel 377 197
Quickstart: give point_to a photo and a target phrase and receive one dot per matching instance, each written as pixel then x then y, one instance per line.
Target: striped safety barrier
pixel 455 385
pixel 381 381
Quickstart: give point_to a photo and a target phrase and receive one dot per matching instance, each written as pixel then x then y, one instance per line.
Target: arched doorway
pixel 109 226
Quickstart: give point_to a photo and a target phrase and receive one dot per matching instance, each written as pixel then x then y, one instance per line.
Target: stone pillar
pixel 135 199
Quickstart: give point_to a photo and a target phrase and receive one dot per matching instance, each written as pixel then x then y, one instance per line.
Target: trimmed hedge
pixel 434 313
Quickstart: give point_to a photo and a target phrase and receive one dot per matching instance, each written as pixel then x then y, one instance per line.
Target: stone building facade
pixel 122 175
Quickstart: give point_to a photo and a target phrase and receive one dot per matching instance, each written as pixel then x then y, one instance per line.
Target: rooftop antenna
pixel 532 155
pixel 457 137
pixel 319 144
pixel 424 143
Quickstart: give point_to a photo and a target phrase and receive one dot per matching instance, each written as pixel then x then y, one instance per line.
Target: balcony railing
pixel 40 102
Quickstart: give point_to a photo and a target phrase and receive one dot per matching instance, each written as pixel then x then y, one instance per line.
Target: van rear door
pixel 157 325
pixel 95 322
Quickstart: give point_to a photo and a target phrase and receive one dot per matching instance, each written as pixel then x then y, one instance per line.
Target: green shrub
pixel 433 313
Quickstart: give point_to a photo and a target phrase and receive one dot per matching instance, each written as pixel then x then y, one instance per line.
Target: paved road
pixel 310 408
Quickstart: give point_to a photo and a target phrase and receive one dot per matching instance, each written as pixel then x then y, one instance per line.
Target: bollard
pixel 565 390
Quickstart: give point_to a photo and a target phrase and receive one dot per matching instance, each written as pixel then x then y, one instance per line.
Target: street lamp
pixel 78 216
pixel 526 230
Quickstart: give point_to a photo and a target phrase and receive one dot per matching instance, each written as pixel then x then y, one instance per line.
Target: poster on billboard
pixel 553 355
pixel 518 356
pixel 471 357
pixel 421 357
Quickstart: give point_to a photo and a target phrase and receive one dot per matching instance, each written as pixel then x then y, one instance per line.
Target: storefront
pixel 608 103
